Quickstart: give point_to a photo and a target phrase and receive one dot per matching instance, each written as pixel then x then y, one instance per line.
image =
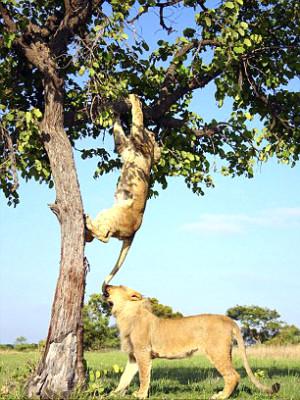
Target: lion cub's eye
pixel 135 296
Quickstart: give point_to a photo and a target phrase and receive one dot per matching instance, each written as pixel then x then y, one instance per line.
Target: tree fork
pixel 62 368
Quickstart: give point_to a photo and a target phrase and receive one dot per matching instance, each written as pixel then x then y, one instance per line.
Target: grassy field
pixel 192 378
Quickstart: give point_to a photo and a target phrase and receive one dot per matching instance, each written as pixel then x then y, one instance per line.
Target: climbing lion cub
pixel 145 336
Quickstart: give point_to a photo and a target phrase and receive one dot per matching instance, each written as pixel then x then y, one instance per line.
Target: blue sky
pixel 239 244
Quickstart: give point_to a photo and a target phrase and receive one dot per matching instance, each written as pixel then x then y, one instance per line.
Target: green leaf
pixel 247 42
pixel 28 117
pixel 116 368
pixel 239 49
pixel 9 38
pixel 10 117
pixel 188 32
pixel 207 21
pixel 92 376
pixel 37 113
pixel 229 4
pixel 244 25
pixel 81 70
pixel 98 374
pixel 145 46
pixel 256 38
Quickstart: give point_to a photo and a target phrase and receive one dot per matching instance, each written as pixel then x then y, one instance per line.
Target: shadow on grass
pixel 184 375
pixel 187 375
pixel 193 379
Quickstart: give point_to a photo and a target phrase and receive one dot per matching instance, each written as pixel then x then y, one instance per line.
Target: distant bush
pixel 288 334
pixel 25 346
pixel 19 346
pixel 6 347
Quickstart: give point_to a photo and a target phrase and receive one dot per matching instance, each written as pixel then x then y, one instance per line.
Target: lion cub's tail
pixel 270 390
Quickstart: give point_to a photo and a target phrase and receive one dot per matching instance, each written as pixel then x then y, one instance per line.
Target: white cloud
pixel 239 223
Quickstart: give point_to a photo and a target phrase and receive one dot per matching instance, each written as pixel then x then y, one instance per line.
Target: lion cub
pixel 145 336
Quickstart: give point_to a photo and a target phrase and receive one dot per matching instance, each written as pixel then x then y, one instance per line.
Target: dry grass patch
pixel 274 352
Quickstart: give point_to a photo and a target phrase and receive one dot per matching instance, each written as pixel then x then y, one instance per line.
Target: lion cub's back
pixel 193 332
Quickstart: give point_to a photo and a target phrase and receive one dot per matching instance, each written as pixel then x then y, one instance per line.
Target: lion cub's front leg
pixel 144 363
pixel 130 370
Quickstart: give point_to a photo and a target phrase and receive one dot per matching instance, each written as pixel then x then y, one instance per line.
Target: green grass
pixel 192 378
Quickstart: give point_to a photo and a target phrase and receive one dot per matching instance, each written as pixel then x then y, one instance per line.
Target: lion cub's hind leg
pixel 224 366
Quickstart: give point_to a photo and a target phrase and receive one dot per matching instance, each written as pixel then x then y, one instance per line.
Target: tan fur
pixel 145 336
pixel 138 152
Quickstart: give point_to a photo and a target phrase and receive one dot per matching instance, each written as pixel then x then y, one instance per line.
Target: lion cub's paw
pixel 117 393
pixel 140 395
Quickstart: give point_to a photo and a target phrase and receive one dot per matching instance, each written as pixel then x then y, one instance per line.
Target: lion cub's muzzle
pixel 106 295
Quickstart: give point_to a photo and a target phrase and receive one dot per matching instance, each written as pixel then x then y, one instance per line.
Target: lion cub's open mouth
pixel 107 299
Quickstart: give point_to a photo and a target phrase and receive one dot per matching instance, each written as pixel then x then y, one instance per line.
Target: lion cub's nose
pixel 106 290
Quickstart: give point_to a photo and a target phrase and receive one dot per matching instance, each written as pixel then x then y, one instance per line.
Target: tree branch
pixel 76 14
pixel 185 49
pixel 7 19
pixel 11 155
pixel 169 29
pixel 202 5
pixel 161 6
pixel 273 108
pixel 144 10
pixel 167 99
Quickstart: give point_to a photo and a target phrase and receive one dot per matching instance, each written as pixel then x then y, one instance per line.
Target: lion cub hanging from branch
pixel 138 151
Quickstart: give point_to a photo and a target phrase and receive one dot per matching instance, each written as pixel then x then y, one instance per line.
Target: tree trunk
pixel 61 368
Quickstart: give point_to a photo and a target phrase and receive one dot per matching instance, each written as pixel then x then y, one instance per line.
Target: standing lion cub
pixel 145 336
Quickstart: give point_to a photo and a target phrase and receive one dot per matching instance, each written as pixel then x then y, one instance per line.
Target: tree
pixel 66 71
pixel 20 340
pixel 163 311
pixel 97 332
pixel 258 324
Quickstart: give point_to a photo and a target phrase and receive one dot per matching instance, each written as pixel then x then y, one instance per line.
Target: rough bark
pixel 61 368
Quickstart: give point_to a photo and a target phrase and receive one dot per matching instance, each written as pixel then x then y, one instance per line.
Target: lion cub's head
pixel 121 297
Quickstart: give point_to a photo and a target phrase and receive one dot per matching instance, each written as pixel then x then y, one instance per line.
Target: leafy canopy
pixel 248 50
pixel 258 324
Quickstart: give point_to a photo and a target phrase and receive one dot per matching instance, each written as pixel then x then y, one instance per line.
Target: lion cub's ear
pixel 136 296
